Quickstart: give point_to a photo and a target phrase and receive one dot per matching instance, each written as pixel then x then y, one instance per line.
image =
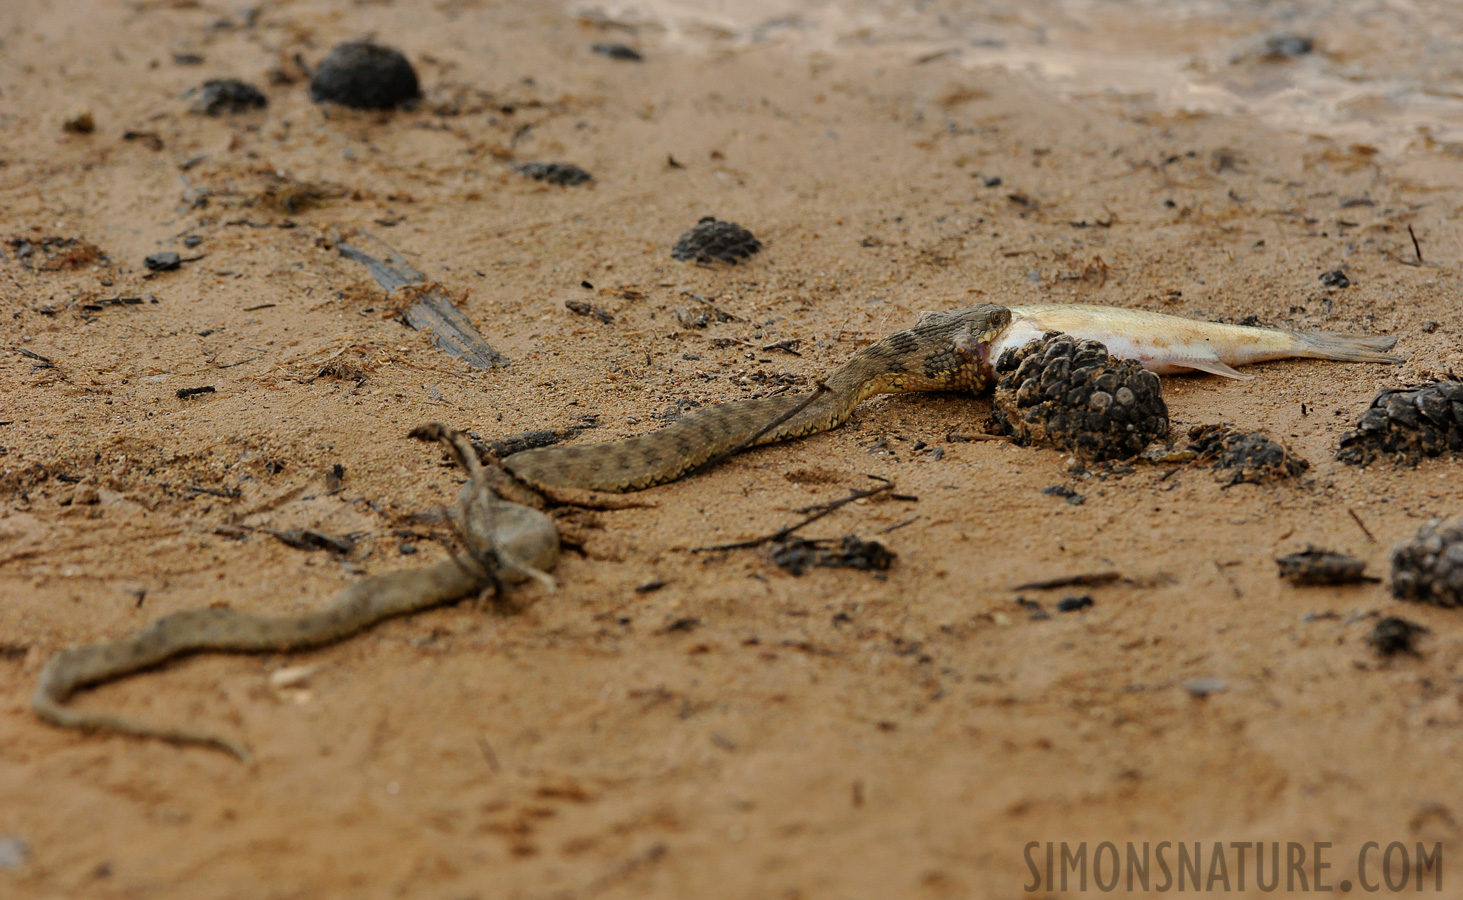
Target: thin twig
pixel 815 513
pixel 1360 524
pixel 1086 579
pixel 1415 247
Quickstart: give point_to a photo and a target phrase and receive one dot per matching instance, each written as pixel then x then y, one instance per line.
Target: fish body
pixel 1167 345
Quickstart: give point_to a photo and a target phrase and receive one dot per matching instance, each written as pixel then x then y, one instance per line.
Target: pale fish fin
pixel 1347 347
pixel 1213 367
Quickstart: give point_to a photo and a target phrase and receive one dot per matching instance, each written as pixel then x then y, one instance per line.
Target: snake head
pixel 972 343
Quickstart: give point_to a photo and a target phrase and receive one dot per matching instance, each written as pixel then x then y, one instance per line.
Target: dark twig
pixel 1360 524
pixel 815 513
pixel 1415 247
pixel 1086 579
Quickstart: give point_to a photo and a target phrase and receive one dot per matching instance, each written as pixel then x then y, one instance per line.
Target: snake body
pixel 943 351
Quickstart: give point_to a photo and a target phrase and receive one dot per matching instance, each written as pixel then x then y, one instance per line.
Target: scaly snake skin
pixel 944 351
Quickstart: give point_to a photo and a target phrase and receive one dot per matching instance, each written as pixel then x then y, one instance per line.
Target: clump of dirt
pixel 1244 457
pixel 363 75
pixel 227 95
pixel 1407 425
pixel 1073 395
pixel 554 173
pixel 1429 569
pixel 797 555
pixel 711 240
pixel 55 253
pixel 1315 566
pixel 1394 635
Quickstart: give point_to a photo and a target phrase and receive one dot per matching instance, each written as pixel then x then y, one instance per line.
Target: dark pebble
pixel 163 262
pixel 407 549
pixel 228 95
pixel 993 181
pixel 711 240
pixel 364 75
pixel 1429 569
pixel 618 51
pixel 1335 279
pixel 1072 604
pixel 192 241
pixel 554 173
pixel 1395 635
pixel 1288 46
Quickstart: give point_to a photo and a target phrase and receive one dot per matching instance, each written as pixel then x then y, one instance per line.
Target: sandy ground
pixel 738 732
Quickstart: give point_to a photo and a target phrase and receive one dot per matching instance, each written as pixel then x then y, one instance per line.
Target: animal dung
pixel 711 240
pixel 1248 457
pixel 1406 425
pixel 1429 569
pixel 1074 396
pixel 1315 566
pixel 797 556
pixel 227 95
pixel 554 173
pixel 364 75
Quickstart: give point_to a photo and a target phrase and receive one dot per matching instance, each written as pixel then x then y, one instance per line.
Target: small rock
pixel 79 120
pixel 228 95
pixel 165 261
pixel 1394 635
pixel 711 240
pixel 1287 46
pixel 554 173
pixel 1072 604
pixel 1429 569
pixel 1203 687
pixel 1335 279
pixel 13 852
pixel 364 75
pixel 291 676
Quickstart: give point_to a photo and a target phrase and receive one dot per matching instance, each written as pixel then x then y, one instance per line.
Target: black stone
pixel 163 262
pixel 228 95
pixel 554 173
pixel 1288 46
pixel 1071 395
pixel 711 240
pixel 1072 604
pixel 1335 279
pixel 364 75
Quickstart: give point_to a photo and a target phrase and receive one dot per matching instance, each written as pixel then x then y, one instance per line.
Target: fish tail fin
pixel 1347 347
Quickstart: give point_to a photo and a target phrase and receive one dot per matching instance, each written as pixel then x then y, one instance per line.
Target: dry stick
pixel 817 512
pixel 1087 579
pixel 1415 247
pixel 1360 524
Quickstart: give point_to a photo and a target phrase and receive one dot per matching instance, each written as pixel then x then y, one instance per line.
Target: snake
pixel 506 542
pixel 943 351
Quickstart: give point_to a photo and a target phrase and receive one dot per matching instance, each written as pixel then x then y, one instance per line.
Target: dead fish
pixel 1167 345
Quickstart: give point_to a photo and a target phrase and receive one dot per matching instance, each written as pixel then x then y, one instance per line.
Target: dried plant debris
pixel 1429 569
pixel 55 253
pixel 797 555
pixel 1407 424
pixel 581 308
pixel 1394 635
pixel 364 75
pixel 1072 395
pixel 529 440
pixel 554 173
pixel 1315 566
pixel 226 95
pixel 711 240
pixel 618 51
pixel 1243 457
